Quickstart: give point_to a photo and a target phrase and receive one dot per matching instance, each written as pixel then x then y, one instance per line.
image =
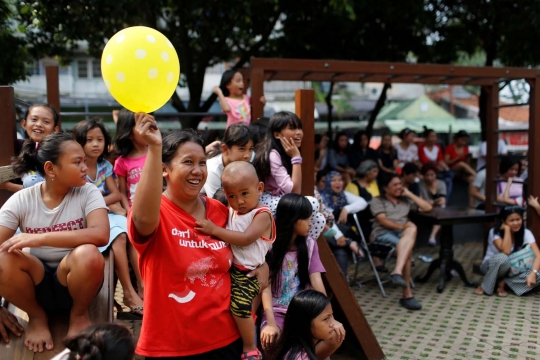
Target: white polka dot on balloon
pixel 165 56
pixel 140 54
pixel 152 73
pixel 121 38
pixel 170 77
pixel 109 59
pixel 150 38
pixel 108 84
pixel 120 76
pixel 170 45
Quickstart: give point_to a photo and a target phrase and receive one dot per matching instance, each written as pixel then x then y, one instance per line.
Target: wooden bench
pixel 101 310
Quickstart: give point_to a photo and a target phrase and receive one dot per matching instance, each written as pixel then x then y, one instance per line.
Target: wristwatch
pixel 535 271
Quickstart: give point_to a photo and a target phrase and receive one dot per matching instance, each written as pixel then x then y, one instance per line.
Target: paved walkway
pixel 456 324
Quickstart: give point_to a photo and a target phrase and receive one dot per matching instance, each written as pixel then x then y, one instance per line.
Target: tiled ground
pixel 456 324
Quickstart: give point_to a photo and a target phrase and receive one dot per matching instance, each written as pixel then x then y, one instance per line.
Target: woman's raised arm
pixel 145 210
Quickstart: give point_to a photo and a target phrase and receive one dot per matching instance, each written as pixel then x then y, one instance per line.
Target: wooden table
pixel 447 217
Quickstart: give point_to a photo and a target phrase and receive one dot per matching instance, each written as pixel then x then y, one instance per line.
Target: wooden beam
pixel 533 181
pixel 359 334
pixel 304 108
pixel 9 132
pixel 53 88
pixel 257 90
pixel 492 138
pixel 386 68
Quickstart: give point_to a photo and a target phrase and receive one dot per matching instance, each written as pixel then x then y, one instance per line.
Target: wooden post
pixel 53 88
pixel 360 337
pixel 8 126
pixel 492 147
pixel 305 105
pixel 533 181
pixel 257 90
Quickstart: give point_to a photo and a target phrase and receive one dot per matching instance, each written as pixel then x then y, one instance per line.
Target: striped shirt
pixel 104 170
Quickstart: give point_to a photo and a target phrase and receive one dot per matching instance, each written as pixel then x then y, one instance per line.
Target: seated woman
pixel 360 150
pixel 321 152
pixel 456 155
pixel 365 185
pixel 342 203
pixel 508 191
pixel 387 155
pixel 430 151
pixel 509 237
pixel 406 150
pixel 433 191
pixel 338 157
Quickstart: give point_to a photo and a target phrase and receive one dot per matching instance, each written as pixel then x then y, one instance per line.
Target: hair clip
pixel 37 144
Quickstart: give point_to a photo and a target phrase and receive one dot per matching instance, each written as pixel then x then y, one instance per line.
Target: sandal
pixel 251 355
pixel 135 314
pixel 502 293
pixel 479 291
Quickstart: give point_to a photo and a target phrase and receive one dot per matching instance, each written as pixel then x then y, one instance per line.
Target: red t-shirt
pixel 451 151
pixel 426 156
pixel 187 287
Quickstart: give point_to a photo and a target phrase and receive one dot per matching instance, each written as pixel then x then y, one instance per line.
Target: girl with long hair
pixel 507 240
pixel 294 264
pixel 279 165
pixel 309 328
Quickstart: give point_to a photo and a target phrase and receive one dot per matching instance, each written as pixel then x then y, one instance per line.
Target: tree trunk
pixel 378 106
pixel 328 100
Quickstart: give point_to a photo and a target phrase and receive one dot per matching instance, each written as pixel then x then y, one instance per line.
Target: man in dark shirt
pixel 409 176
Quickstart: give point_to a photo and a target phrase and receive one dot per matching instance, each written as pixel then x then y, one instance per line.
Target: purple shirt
pixel 279 182
pixel 290 282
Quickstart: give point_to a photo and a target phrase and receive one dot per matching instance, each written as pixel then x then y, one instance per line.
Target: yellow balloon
pixel 140 68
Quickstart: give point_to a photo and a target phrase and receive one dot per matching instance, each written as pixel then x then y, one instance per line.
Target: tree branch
pixel 247 54
pixel 378 106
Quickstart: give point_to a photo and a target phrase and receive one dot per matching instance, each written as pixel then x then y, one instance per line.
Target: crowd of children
pixel 199 265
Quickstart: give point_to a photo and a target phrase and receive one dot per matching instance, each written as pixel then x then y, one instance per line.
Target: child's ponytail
pixel 106 341
pixel 26 160
pixel 34 155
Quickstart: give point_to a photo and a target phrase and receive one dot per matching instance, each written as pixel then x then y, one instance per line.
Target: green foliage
pixel 203 33
pixel 14 51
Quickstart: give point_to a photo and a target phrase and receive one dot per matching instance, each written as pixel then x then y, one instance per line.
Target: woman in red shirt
pixel 456 156
pixel 185 272
pixel 431 152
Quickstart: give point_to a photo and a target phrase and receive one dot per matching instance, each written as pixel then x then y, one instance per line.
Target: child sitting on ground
pixel 251 232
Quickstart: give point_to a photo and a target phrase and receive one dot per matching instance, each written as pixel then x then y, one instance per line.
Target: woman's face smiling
pixel 186 173
pixel 336 184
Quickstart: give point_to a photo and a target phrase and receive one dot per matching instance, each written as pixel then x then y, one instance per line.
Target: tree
pixel 203 33
pixel 505 31
pixel 354 30
pixel 14 51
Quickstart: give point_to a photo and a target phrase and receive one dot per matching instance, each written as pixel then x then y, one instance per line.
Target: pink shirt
pixel 279 182
pixel 240 110
pixel 131 169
